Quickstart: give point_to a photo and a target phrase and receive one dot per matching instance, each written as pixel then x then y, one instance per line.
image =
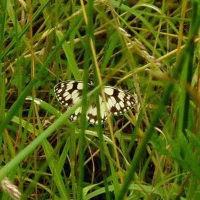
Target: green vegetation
pixel 150 48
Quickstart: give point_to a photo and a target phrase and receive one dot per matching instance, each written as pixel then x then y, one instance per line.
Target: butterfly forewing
pixel 69 92
pixel 117 101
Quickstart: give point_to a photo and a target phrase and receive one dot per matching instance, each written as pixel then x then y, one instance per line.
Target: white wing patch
pixel 117 101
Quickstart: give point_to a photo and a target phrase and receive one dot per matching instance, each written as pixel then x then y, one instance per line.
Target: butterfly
pixel 118 101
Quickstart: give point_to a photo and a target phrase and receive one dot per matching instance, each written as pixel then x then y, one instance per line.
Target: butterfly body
pixel 117 102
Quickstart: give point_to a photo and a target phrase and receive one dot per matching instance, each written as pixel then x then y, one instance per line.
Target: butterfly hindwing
pixel 117 101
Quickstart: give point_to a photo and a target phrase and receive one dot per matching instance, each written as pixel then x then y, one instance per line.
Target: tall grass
pixel 149 49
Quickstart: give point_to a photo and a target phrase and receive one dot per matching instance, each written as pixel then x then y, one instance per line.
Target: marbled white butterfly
pixel 118 101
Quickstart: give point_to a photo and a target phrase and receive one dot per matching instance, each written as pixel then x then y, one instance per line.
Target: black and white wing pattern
pixel 118 101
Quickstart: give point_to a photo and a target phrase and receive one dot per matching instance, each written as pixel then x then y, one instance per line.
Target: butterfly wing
pixel 117 103
pixel 68 92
